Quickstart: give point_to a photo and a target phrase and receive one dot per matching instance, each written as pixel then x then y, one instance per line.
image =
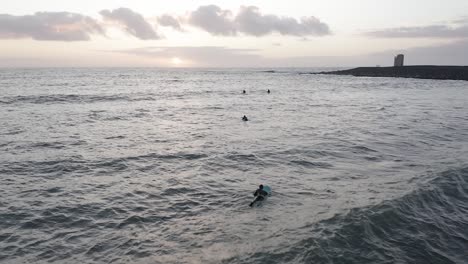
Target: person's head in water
pixel 243 91
pixel 260 186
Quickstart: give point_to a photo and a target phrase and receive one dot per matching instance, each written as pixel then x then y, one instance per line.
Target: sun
pixel 176 61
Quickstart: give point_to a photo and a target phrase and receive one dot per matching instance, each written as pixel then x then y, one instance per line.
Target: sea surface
pixel 130 165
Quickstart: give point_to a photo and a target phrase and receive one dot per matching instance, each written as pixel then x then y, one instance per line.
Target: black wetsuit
pixel 260 194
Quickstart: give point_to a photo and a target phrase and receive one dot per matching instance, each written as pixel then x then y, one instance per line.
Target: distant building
pixel 399 59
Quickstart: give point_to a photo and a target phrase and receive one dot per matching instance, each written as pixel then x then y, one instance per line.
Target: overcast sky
pixel 188 33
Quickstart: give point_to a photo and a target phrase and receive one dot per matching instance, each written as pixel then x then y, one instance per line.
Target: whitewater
pixel 142 165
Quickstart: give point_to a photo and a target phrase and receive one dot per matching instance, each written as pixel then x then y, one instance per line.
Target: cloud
pixel 169 21
pixel 453 53
pixel 209 56
pixel 250 21
pixel 57 26
pixel 462 20
pixel 213 20
pixel 205 56
pixel 66 26
pixel 133 23
pixel 432 31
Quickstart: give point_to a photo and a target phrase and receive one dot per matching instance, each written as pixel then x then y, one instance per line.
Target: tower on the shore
pixel 399 59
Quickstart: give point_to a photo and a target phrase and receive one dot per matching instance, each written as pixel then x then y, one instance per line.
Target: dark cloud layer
pixel 453 53
pixel 205 56
pixel 58 26
pixel 132 22
pixel 250 21
pixel 209 56
pixel 433 31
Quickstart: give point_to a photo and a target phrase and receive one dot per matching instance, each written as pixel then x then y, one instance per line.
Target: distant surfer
pixel 243 91
pixel 268 91
pixel 244 118
pixel 259 194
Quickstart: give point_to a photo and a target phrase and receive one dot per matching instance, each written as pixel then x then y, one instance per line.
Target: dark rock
pixel 420 72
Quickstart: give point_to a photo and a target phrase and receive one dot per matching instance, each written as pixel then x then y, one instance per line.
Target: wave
pixel 76 164
pixel 73 98
pixel 428 225
pixel 310 164
pixel 12 131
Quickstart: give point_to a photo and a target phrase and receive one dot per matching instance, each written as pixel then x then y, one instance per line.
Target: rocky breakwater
pixel 420 72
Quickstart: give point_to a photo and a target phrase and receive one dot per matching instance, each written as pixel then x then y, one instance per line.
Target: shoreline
pixel 418 72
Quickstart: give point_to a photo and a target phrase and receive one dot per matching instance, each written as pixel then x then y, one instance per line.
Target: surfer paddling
pixel 259 194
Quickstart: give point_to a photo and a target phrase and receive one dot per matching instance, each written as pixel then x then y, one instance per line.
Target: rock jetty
pixel 420 72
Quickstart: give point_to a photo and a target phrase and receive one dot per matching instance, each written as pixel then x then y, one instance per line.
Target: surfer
pixel 259 194
pixel 268 91
pixel 244 118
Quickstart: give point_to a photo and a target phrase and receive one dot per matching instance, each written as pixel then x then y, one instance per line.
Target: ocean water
pixel 156 166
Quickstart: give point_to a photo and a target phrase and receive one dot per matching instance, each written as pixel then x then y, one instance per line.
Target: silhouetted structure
pixel 399 60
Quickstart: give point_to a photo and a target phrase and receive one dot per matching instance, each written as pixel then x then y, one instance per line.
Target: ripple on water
pixel 130 166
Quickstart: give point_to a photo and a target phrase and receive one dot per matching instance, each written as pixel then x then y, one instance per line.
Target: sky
pixel 257 33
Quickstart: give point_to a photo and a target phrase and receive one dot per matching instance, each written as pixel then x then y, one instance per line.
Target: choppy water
pixel 156 166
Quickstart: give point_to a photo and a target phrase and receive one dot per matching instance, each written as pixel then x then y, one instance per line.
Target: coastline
pixel 418 72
